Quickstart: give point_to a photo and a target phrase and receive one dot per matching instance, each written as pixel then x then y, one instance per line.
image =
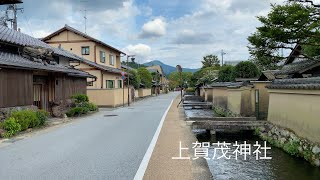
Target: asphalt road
pixel 93 147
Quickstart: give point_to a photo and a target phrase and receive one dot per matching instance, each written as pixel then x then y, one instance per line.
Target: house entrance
pixel 40 92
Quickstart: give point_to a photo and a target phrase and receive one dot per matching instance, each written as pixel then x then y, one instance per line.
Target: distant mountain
pixel 167 68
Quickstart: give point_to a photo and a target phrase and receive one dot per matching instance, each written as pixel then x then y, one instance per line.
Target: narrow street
pixel 97 146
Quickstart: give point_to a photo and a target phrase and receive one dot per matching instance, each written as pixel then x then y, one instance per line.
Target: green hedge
pixel 22 120
pixel 190 90
pixel 26 118
pixel 42 117
pixel 80 98
pixel 11 126
pixel 82 105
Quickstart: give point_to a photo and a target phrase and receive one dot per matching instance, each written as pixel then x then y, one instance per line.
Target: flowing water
pixel 281 166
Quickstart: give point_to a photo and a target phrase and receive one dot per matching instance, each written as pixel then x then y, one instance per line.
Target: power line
pixel 28 25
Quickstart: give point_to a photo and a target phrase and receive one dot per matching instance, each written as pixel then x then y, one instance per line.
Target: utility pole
pixel 14 22
pixel 13 15
pixel 132 58
pixel 222 54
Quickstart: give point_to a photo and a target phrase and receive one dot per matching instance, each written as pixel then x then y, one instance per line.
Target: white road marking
pixel 145 161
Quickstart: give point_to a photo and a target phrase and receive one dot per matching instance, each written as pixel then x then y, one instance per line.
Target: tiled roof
pixel 17 38
pixel 236 85
pixel 66 27
pixel 297 67
pixel 294 54
pixel 2 2
pixel 13 37
pixel 126 67
pixel 15 60
pixel 296 83
pixel 220 84
pixel 269 74
pixel 102 67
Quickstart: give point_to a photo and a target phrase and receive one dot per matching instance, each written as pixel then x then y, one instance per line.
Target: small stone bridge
pixel 194 103
pixel 226 123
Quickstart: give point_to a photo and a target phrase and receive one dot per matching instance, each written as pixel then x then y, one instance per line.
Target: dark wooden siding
pixel 68 86
pixel 15 87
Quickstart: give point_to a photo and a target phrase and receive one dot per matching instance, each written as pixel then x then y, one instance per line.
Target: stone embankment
pixel 290 142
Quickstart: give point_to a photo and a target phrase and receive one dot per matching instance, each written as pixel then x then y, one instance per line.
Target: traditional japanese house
pixel 102 61
pixel 298 66
pixel 32 73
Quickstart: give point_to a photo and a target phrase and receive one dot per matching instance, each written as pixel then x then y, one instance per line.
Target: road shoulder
pixel 161 164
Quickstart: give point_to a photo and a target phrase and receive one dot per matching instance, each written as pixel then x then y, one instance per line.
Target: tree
pixel 306 1
pixel 246 69
pixel 226 73
pixel 134 79
pixel 205 75
pixel 210 61
pixel 283 28
pixel 156 76
pixel 145 77
pixel 176 81
pixel 133 64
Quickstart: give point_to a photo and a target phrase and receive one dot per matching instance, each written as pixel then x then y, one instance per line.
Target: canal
pixel 281 166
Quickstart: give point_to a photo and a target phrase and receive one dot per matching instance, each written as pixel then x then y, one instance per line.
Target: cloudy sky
pixel 173 31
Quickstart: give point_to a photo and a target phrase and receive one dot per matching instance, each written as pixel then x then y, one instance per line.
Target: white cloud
pixel 140 50
pixel 154 28
pixel 111 22
pixel 188 36
pixel 212 26
pixel 176 34
pixel 216 5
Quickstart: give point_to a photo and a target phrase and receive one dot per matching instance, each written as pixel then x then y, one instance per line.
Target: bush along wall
pixel 221 112
pixel 21 121
pixel 81 106
pixel 290 143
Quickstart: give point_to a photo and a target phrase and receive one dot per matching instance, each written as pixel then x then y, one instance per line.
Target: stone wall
pixel 291 143
pixel 6 112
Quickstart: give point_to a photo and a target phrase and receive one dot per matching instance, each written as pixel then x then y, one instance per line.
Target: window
pixel 90 83
pixel 85 50
pixel 110 84
pixel 120 83
pixel 111 59
pixel 102 57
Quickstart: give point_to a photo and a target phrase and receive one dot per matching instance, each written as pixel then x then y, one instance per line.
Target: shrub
pixel 82 105
pixel 42 116
pixel 77 111
pixel 26 118
pixel 246 69
pixel 1 124
pixel 80 98
pixel 191 90
pixel 11 126
pixel 292 148
pixel 223 112
pixel 92 107
pixel 226 73
pixel 145 76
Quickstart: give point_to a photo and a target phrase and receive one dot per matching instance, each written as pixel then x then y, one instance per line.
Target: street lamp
pixel 132 59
